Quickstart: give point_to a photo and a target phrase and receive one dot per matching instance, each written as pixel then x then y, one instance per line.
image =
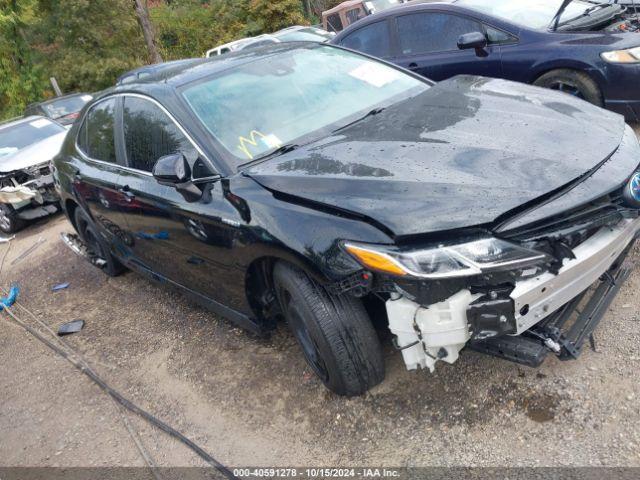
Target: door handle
pixel 126 191
pixel 412 66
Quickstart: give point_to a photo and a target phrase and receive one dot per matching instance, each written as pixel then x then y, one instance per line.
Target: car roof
pixel 159 67
pixel 205 67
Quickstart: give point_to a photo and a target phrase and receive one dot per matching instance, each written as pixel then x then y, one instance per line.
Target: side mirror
pixel 172 170
pixel 476 40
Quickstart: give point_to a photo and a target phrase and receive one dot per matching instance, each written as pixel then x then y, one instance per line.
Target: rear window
pixel 96 137
pixel 21 135
pixel 66 106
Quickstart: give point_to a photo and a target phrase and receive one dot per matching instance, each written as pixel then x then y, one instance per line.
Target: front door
pixel 178 241
pixel 428 45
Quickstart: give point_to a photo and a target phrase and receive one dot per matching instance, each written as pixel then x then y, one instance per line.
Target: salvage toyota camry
pixel 314 184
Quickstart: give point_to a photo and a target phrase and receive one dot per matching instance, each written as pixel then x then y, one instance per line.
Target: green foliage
pixel 273 15
pixel 20 80
pixel 86 44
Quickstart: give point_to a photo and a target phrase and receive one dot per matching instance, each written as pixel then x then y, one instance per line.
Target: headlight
pixel 631 55
pixel 463 260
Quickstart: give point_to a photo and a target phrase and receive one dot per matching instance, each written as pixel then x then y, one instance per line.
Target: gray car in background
pixel 27 146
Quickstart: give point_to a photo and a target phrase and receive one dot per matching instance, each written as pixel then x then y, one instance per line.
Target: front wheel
pixel 572 82
pixel 9 221
pixel 334 332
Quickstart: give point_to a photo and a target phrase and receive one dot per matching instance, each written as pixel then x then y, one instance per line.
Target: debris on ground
pixel 70 327
pixel 28 251
pixel 10 299
pixel 60 286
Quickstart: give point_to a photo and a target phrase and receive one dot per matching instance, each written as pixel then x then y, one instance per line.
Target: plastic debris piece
pixel 70 327
pixel 60 286
pixel 163 235
pixel 7 240
pixel 10 299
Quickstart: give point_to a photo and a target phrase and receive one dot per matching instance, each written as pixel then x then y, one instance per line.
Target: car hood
pixel 35 154
pixel 461 154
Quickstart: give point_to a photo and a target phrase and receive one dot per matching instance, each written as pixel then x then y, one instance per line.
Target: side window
pixel 96 138
pixel 150 134
pixel 334 24
pixel 496 36
pixel 372 39
pixel 432 32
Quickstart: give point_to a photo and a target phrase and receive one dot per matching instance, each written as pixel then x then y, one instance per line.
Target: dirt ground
pixel 253 402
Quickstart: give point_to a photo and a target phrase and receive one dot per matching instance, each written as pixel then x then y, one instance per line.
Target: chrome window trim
pixel 162 108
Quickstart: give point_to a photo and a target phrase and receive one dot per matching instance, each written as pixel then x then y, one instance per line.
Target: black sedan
pixel 585 48
pixel 314 184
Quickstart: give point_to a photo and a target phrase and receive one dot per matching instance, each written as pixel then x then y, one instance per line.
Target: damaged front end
pixel 515 297
pixel 30 191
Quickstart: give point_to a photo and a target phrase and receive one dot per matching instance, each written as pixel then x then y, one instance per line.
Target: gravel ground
pixel 252 401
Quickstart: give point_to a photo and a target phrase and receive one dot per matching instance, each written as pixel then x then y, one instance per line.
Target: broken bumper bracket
pixel 533 346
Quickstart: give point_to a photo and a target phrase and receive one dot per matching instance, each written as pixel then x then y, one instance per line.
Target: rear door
pixel 182 242
pixel 96 177
pixel 428 45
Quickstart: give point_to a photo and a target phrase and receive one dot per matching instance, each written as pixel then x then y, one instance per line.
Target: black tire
pixel 334 332
pixel 573 82
pixel 90 236
pixel 9 221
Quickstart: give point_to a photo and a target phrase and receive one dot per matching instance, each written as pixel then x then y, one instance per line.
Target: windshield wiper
pixel 371 113
pixel 289 147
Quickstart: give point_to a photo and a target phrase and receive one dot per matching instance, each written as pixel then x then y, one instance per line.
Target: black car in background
pixel 311 183
pixel 64 109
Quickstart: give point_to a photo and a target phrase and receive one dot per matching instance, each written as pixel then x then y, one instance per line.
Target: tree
pixel 272 15
pixel 142 14
pixel 20 81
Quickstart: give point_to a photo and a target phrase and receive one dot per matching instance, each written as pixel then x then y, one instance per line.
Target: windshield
pixel 21 135
pixel 278 99
pixel 66 106
pixel 535 14
pixel 304 35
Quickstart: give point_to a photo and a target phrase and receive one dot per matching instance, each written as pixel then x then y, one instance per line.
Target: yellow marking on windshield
pixel 252 141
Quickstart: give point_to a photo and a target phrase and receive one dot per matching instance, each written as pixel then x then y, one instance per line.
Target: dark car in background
pixel 315 184
pixel 64 109
pixel 587 49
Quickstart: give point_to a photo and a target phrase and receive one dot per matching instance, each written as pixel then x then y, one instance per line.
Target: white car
pixel 27 147
pixel 297 33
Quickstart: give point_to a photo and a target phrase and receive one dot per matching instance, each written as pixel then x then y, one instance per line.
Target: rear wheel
pixel 9 221
pixel 572 82
pixel 334 332
pixel 95 243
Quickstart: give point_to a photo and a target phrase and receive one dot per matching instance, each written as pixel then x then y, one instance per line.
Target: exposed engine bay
pixel 624 26
pixel 613 17
pixel 30 191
